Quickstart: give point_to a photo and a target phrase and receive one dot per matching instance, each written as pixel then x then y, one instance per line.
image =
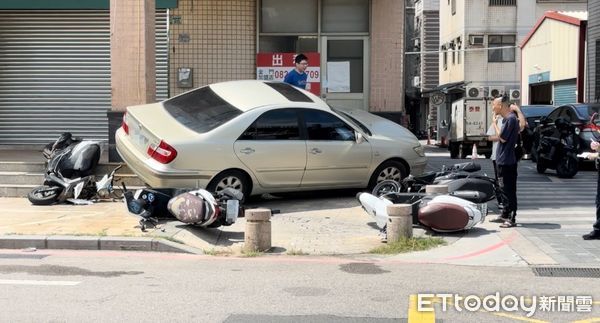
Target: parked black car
pixel 579 116
pixel 532 114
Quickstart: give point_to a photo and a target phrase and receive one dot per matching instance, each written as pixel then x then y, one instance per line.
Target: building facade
pixel 478 44
pixel 553 60
pixel 593 53
pixel 206 41
pixel 426 40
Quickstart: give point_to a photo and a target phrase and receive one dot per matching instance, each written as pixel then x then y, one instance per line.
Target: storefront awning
pixel 445 88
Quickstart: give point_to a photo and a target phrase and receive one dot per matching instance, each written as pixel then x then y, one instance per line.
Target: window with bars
pixel 444 57
pixel 505 3
pixel 501 55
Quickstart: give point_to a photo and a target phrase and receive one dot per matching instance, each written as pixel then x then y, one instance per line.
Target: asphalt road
pixel 71 286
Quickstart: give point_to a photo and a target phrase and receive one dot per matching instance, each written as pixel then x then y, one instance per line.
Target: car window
pixel 554 114
pixel 280 124
pixel 321 125
pixel 201 110
pixel 586 111
pixel 565 114
pixel 353 120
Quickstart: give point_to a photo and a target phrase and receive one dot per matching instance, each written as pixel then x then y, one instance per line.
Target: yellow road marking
pixel 590 320
pixel 414 316
pixel 516 317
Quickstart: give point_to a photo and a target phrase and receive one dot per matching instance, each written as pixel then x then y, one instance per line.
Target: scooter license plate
pixel 233 210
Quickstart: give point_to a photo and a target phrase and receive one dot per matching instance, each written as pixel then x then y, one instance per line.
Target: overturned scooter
pixel 457 211
pixel 198 207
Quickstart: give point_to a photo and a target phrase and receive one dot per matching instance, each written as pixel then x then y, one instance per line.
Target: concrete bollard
pixel 258 230
pixel 436 189
pixel 399 222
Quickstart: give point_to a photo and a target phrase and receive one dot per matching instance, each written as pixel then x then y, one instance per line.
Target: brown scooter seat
pixel 188 208
pixel 444 216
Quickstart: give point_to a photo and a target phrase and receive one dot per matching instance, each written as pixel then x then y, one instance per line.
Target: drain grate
pixel 567 272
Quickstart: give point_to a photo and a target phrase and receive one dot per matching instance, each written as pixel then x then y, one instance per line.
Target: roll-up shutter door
pixel 565 92
pixel 55 73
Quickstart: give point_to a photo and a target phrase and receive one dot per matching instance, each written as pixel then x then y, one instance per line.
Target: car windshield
pixel 355 122
pixel 201 110
pixel 536 110
pixel 586 111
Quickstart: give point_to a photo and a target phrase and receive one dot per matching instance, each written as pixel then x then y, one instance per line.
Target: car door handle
pixel 247 151
pixel 315 151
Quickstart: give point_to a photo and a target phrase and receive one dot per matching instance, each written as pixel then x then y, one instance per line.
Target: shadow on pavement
pixel 214 236
pixel 540 226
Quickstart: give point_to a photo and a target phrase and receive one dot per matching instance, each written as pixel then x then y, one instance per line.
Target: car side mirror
pixel 359 137
pixel 543 120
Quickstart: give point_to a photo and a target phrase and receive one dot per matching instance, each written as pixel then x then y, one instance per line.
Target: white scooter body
pixel 377 207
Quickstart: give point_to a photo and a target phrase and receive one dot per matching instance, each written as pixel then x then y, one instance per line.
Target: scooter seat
pixel 188 208
pixel 443 217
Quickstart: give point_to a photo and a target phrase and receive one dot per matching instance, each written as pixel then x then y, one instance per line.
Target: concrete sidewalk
pixel 330 226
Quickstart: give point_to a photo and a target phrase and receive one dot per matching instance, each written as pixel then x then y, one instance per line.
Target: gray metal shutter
pixel 564 92
pixel 55 73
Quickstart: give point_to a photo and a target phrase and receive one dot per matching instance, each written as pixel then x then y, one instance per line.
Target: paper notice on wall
pixel 338 77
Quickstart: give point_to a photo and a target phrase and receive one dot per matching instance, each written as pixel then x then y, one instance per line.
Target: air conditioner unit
pixel 515 94
pixel 475 92
pixel 476 40
pixel 496 91
pixel 416 81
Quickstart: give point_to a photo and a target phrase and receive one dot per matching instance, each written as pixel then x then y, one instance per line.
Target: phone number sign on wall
pixel 275 66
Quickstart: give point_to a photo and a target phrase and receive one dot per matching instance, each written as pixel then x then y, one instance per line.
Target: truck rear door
pixel 476 118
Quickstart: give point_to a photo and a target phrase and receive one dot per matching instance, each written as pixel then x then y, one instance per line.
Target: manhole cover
pixel 566 272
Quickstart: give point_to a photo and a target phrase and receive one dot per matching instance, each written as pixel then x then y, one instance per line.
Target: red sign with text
pixel 275 66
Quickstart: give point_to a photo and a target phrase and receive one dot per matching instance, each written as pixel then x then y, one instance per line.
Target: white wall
pixel 553 48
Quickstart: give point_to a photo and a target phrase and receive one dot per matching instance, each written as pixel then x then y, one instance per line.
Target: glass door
pixel 344 71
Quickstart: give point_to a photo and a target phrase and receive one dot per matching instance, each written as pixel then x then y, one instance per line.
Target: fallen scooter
pixel 70 176
pixel 452 212
pixel 198 207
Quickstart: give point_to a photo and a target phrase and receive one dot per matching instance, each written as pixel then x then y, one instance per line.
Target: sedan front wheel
pixel 390 170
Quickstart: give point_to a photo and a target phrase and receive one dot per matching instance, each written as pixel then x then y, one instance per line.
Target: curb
pixel 94 243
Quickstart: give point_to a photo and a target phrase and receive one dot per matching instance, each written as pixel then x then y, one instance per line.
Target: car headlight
pixel 419 150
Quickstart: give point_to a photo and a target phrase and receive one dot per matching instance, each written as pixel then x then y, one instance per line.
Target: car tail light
pixel 124 124
pixel 588 127
pixel 163 153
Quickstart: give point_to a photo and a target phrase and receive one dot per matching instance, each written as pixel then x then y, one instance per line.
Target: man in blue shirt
pixel 506 159
pixel 297 77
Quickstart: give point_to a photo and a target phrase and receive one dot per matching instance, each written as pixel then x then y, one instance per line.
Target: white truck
pixel 470 119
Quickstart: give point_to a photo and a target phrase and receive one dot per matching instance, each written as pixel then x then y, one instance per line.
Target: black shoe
pixel 594 235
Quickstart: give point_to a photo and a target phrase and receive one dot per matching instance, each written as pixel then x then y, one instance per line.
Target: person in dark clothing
pixel 506 159
pixel 595 234
pixel 298 77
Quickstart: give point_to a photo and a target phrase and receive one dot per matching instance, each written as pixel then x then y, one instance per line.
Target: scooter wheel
pixel 387 186
pixel 567 167
pixel 44 195
pixel 540 167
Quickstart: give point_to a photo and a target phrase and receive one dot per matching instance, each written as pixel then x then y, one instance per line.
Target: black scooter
pixel 558 147
pixel 69 171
